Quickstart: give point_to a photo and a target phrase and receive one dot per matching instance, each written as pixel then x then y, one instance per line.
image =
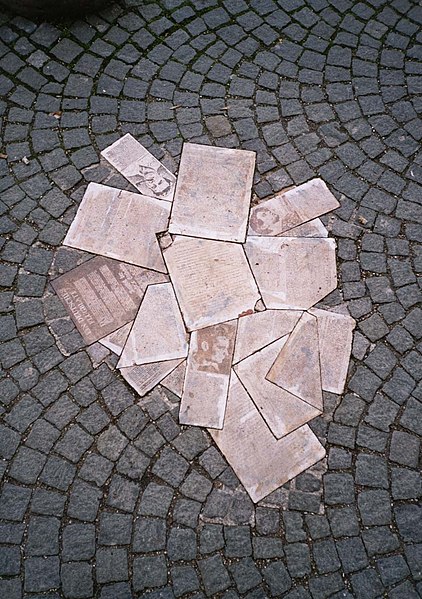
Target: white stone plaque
pixel 146 377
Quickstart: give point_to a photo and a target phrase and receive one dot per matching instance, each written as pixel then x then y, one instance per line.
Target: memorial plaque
pixel 292 272
pixel 296 368
pixel 335 335
pixel 121 225
pixel 116 340
pixel 158 333
pixel 175 380
pixel 313 228
pixel 282 411
pixel 101 295
pixel 213 193
pixel 255 331
pixel 291 208
pixel 141 168
pixel 207 375
pixel 146 377
pixel 261 462
pixel 212 280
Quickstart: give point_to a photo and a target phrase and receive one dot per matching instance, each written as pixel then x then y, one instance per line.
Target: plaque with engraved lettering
pixel 101 295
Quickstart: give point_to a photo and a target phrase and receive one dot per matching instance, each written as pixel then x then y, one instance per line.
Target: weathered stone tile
pixel 262 462
pixel 101 295
pixel 282 411
pixel 296 368
pixel 292 273
pixel 141 168
pixel 158 333
pixel 116 340
pixel 212 280
pixel 313 228
pixel 255 331
pixel 144 378
pixel 175 380
pixel 213 193
pixel 121 225
pixel 335 333
pixel 207 375
pixel 289 209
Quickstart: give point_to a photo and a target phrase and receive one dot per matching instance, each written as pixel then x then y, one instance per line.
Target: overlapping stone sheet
pixel 282 411
pixel 313 228
pixel 207 375
pixel 291 208
pixel 145 377
pixel 175 380
pixel 292 273
pixel 262 462
pixel 101 295
pixel 116 341
pixel 158 333
pixel 121 225
pixel 141 168
pixel 213 192
pixel 212 280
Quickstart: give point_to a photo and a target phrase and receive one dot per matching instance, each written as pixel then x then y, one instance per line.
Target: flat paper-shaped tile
pixel 158 333
pixel 213 193
pixel 296 368
pixel 121 225
pixel 335 333
pixel 281 410
pixel 102 295
pixel 313 228
pixel 262 462
pixel 255 331
pixel 291 208
pixel 292 272
pixel 141 168
pixel 146 377
pixel 175 380
pixel 117 339
pixel 212 280
pixel 207 375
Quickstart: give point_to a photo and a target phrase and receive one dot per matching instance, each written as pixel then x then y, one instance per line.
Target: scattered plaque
pixel 175 380
pixel 292 272
pixel 121 225
pixel 212 280
pixel 313 228
pixel 213 193
pixel 255 331
pixel 335 333
pixel 146 377
pixel 207 375
pixel 158 333
pixel 296 368
pixel 261 462
pixel 141 168
pixel 101 295
pixel 116 340
pixel 282 411
pixel 292 208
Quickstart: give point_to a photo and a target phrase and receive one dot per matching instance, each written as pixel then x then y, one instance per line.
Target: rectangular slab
pixel 158 333
pixel 120 225
pixel 212 280
pixel 292 208
pixel 141 168
pixel 207 375
pixel 146 377
pixel 101 295
pixel 282 411
pixel 213 193
pixel 175 380
pixel 262 462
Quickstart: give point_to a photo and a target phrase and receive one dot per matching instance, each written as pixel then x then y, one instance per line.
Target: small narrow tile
pixel 212 280
pixel 158 333
pixel 101 295
pixel 296 368
pixel 213 193
pixel 121 225
pixel 313 228
pixel 116 340
pixel 292 273
pixel 289 209
pixel 141 168
pixel 261 462
pixel 282 411
pixel 175 380
pixel 335 336
pixel 146 377
pixel 207 378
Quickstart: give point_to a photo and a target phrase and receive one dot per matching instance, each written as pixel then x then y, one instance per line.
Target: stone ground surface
pixel 103 497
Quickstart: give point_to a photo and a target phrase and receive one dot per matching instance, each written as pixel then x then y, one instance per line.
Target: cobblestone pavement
pixel 105 496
